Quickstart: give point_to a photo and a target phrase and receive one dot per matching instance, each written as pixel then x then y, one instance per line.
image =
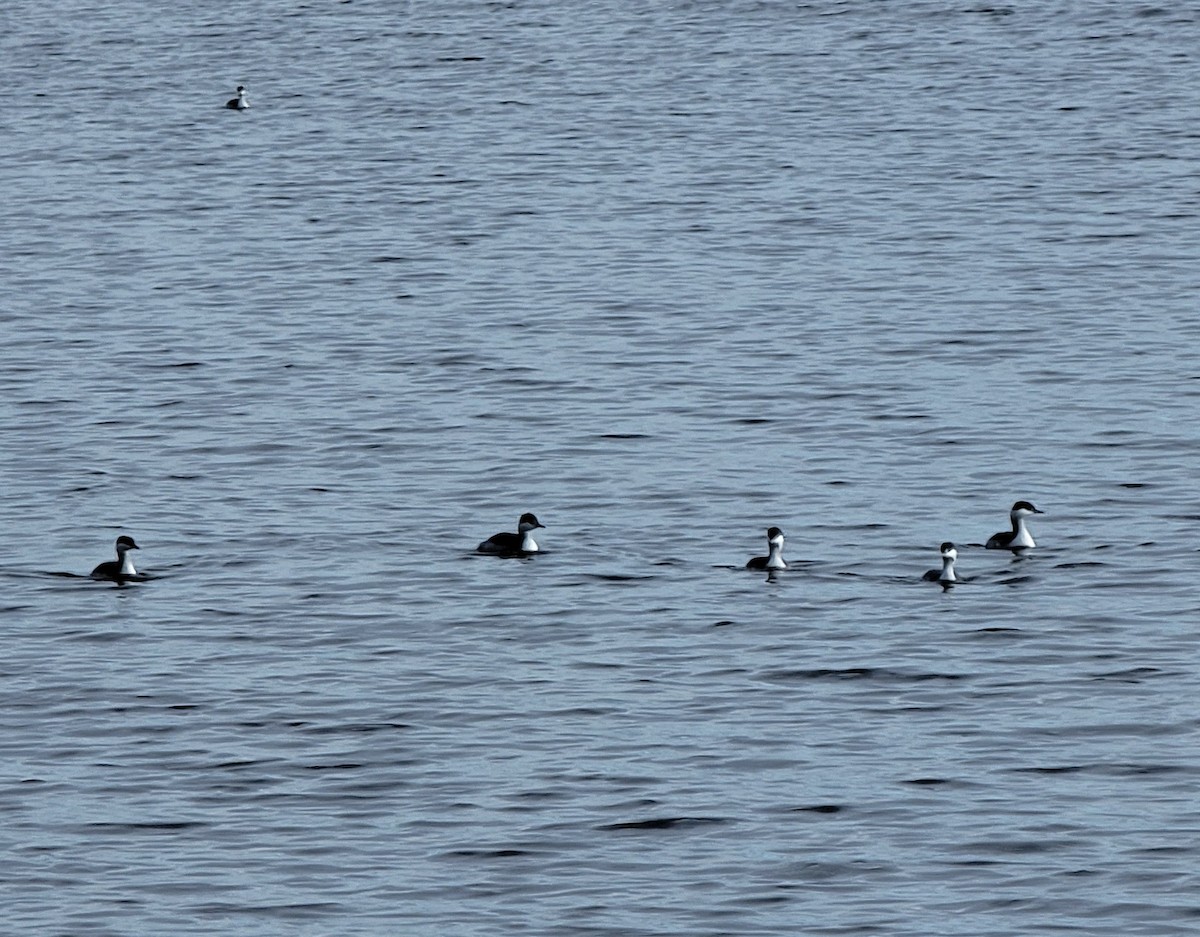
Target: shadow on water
pixel 514 555
pixel 85 577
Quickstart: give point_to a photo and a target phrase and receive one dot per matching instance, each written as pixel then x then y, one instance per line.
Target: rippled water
pixel 665 276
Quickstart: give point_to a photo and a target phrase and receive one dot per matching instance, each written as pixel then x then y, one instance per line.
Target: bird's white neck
pixel 1021 535
pixel 528 544
pixel 775 559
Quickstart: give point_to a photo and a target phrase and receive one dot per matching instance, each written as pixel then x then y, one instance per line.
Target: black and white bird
pixel 945 575
pixel 239 103
pixel 774 557
pixel 1019 538
pixel 510 544
pixel 122 567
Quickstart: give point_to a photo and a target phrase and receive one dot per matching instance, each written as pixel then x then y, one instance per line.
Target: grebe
pixel 507 544
pixel 122 567
pixel 774 558
pixel 239 103
pixel 946 573
pixel 1019 537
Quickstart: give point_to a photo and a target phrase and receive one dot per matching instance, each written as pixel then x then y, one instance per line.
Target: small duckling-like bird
pixel 518 544
pixel 1019 537
pixel 945 575
pixel 774 557
pixel 239 103
pixel 121 568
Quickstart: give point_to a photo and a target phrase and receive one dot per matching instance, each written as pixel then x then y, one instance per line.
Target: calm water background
pixel 665 274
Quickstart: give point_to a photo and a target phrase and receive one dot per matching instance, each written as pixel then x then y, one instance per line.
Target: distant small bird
pixel 508 544
pixel 945 575
pixel 239 103
pixel 1019 537
pixel 774 557
pixel 122 567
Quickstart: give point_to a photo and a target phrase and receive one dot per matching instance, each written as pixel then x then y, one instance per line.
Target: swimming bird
pixel 774 557
pixel 509 544
pixel 239 103
pixel 1019 537
pixel 944 575
pixel 121 568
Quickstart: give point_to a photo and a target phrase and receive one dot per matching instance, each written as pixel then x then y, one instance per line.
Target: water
pixel 666 277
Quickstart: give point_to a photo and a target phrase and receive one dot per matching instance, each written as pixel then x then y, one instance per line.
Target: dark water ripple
pixel 666 276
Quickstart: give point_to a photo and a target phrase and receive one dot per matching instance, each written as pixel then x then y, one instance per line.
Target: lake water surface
pixel 665 275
